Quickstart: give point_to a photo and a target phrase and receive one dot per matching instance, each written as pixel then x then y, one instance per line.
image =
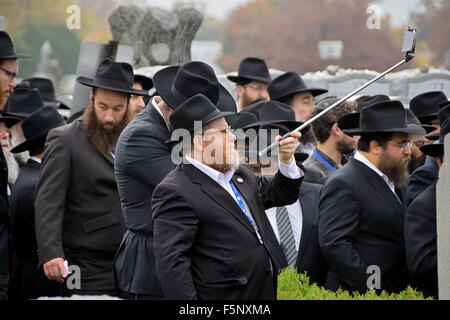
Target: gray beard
pixel 13 167
pixel 21 157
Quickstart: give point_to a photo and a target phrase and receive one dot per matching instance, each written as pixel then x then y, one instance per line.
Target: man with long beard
pixel 361 207
pixel 78 213
pixel 210 230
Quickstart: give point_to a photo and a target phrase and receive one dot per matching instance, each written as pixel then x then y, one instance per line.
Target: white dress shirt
pixel 295 217
pixel 159 111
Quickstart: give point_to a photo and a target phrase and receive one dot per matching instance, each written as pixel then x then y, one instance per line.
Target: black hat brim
pixel 34 140
pixel 237 79
pixel 9 121
pixel 91 83
pixel 16 56
pixel 146 82
pixel 290 124
pixel 410 129
pixel 433 150
pixel 163 79
pixel 314 91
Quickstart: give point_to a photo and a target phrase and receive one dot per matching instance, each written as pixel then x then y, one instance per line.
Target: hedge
pixel 295 286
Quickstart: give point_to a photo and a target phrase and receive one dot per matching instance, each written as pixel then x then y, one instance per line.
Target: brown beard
pixel 416 161
pixel 396 171
pixel 102 138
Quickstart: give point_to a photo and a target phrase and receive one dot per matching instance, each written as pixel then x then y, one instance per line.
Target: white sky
pixel 398 9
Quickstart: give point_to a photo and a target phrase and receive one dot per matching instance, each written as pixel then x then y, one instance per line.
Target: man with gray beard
pixel 362 207
pixel 13 167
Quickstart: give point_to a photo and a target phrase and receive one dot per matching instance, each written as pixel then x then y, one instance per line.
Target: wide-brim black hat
pixel 437 149
pixel 7 50
pixel 426 105
pixel 384 117
pixel 114 76
pixel 46 89
pixel 23 102
pixel 349 121
pixel 252 69
pixel 146 82
pixel 412 119
pixel 195 109
pixel 275 112
pixel 366 101
pixel 176 84
pixel 9 121
pixel 37 126
pixel 443 115
pixel 288 84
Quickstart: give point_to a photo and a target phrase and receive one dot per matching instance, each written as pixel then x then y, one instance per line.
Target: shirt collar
pixel 219 177
pixel 359 156
pixel 36 159
pixel 160 112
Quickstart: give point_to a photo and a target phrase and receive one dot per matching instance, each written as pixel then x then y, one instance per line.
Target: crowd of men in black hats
pixel 165 196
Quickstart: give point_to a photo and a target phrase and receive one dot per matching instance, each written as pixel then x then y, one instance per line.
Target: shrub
pixel 294 286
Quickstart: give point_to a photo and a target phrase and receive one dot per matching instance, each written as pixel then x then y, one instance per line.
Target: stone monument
pixel 158 37
pixel 2 23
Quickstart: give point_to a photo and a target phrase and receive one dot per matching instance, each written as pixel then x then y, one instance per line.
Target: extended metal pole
pixel 274 145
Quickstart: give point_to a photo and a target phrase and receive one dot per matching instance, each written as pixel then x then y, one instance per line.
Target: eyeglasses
pixel 256 88
pixel 419 143
pixel 11 75
pixel 403 145
pixel 224 131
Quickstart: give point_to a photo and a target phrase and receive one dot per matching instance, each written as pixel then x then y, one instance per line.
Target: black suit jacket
pixel 361 224
pixel 22 212
pixel 421 241
pixel 310 258
pixel 205 247
pixel 423 177
pixel 77 206
pixel 4 216
pixel 142 160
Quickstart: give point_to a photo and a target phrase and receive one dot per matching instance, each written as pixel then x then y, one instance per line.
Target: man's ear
pixel 375 147
pixel 336 130
pixel 239 90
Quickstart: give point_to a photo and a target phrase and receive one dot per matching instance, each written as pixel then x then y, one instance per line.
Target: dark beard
pixel 102 138
pixel 344 148
pixel 396 171
pixel 416 162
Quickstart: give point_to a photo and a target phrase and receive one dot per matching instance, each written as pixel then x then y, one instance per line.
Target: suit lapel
pixel 307 206
pixel 218 194
pixel 381 187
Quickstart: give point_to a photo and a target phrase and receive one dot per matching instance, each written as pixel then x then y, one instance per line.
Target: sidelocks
pixel 408 46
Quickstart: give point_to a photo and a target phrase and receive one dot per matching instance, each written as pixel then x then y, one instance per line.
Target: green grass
pixel 294 286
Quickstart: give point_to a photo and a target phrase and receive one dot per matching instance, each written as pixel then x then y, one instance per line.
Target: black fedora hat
pixel 370 100
pixel 9 121
pixel 437 149
pixel 241 121
pixel 252 69
pixel 196 108
pixel 349 121
pixel 290 83
pixel 146 82
pixel 114 76
pixel 412 119
pixel 46 89
pixel 387 116
pixel 426 105
pixel 7 50
pixel 275 112
pixel 443 115
pixel 23 102
pixel 36 127
pixel 176 84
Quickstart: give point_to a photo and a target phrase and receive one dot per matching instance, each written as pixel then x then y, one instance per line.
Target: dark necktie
pixel 286 235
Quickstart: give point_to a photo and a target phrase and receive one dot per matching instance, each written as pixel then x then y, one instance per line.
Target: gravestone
pixel 443 227
pixel 158 37
pixel 2 23
pixel 47 67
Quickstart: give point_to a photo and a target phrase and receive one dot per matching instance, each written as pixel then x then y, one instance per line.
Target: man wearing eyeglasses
pixel 9 67
pixel 252 81
pixel 362 206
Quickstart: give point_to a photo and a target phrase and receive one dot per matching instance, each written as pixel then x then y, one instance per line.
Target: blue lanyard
pixel 242 205
pixel 318 156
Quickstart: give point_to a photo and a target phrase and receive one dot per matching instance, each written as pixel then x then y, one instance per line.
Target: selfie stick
pixel 408 57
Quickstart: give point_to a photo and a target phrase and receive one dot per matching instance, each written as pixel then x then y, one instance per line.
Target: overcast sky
pixel 398 9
